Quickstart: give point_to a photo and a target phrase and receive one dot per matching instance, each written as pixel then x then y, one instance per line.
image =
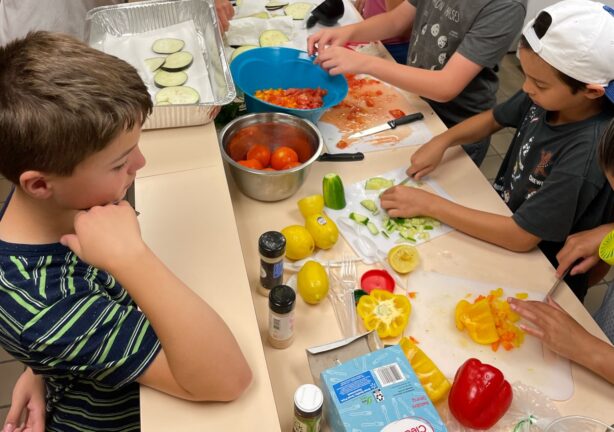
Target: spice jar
pixel 308 400
pixel 282 299
pixel 272 246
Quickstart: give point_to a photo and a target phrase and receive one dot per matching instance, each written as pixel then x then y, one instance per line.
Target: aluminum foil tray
pixel 138 17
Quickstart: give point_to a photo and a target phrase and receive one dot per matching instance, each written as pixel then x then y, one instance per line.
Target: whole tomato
pixel 251 163
pixel 261 153
pixel 292 165
pixel 283 156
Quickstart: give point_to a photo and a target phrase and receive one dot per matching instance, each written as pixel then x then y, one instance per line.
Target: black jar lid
pixel 272 244
pixel 282 299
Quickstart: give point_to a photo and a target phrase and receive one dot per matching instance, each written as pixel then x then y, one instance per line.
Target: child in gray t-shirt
pixel 550 177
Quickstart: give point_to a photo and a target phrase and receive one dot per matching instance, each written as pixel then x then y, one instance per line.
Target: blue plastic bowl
pixel 277 67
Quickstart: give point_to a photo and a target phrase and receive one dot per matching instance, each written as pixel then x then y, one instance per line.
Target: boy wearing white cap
pixel 550 177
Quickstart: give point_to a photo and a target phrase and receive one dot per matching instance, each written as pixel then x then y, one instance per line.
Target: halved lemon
pixel 403 258
pixel 606 248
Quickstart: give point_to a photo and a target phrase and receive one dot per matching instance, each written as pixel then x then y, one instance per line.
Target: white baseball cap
pixel 579 41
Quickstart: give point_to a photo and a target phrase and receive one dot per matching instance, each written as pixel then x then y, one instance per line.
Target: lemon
pixel 312 282
pixel 606 248
pixel 311 204
pixel 403 258
pixel 299 243
pixel 323 230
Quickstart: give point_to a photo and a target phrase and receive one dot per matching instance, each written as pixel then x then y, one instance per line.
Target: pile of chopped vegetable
pixel 297 98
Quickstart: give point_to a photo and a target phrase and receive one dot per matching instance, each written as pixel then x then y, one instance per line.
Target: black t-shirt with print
pixel 550 177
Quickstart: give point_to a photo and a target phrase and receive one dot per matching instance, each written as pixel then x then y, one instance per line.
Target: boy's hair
pixel 575 37
pixel 61 101
pixel 541 25
pixel 606 150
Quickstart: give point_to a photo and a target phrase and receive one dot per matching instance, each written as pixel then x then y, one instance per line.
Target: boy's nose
pixel 137 160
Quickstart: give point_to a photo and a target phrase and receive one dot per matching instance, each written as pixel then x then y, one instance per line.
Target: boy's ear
pixel 594 91
pixel 36 184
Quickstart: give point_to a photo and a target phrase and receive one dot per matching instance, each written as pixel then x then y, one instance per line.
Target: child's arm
pixel 200 358
pixel 403 201
pixel 27 410
pixel 562 334
pixel 474 129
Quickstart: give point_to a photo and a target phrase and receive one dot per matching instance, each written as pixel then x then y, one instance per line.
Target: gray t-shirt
pixel 481 30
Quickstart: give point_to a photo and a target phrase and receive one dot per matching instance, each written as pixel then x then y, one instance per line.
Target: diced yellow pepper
pixel 385 312
pixel 432 379
pixel 478 320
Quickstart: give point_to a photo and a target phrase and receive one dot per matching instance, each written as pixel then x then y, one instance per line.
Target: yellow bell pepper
pixel 478 320
pixel 385 312
pixel 432 379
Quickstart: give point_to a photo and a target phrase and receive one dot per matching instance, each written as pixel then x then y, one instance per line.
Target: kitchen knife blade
pixel 556 284
pixel 388 125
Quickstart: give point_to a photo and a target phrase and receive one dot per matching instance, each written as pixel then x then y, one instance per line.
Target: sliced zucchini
pixel 178 61
pixel 333 192
pixel 181 95
pixel 372 228
pixel 270 38
pixel 274 5
pixel 359 218
pixel 154 63
pixel 167 46
pixel 377 183
pixel 263 15
pixel 298 11
pixel 241 50
pixel 370 205
pixel 169 79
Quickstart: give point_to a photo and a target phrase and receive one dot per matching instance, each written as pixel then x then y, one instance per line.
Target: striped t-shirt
pixel 77 326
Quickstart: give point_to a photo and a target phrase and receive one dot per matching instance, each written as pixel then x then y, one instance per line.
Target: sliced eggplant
pixel 263 15
pixel 181 95
pixel 167 46
pixel 178 61
pixel 154 63
pixel 298 11
pixel 274 5
pixel 163 78
pixel 270 38
pixel 240 50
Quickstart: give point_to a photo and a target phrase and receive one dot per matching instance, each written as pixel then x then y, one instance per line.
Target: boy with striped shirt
pixel 73 267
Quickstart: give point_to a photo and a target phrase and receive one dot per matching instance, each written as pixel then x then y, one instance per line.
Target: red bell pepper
pixel 480 395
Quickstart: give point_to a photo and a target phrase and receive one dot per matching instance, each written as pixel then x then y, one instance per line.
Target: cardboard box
pixel 377 392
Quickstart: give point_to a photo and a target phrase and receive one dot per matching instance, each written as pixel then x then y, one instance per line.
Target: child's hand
pixel 427 158
pixel 552 325
pixel 225 12
pixel 338 60
pixel 582 246
pixel 404 201
pixel 27 412
pixel 106 236
pixel 328 37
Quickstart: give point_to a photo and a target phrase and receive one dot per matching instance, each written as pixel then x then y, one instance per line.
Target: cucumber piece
pixel 167 46
pixel 269 38
pixel 385 234
pixel 372 228
pixel 169 79
pixel 178 61
pixel 370 205
pixel 181 95
pixel 263 15
pixel 298 11
pixel 333 192
pixel 359 218
pixel 274 5
pixel 377 183
pixel 154 63
pixel 240 51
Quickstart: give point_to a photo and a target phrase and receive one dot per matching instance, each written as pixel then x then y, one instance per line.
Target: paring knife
pixel 388 125
pixel 556 284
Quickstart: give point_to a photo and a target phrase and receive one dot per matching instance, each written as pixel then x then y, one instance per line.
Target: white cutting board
pixel 432 324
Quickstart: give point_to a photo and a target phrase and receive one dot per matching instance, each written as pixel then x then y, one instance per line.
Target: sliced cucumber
pixel 275 5
pixel 332 191
pixel 241 50
pixel 372 228
pixel 154 63
pixel 169 79
pixel 263 15
pixel 370 205
pixel 181 95
pixel 298 11
pixel 269 38
pixel 178 61
pixel 167 46
pixel 359 218
pixel 377 183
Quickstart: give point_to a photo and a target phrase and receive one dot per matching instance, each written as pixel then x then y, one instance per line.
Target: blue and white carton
pixel 378 392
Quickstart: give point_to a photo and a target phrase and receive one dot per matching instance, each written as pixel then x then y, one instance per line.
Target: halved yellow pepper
pixel 478 320
pixel 432 379
pixel 385 312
